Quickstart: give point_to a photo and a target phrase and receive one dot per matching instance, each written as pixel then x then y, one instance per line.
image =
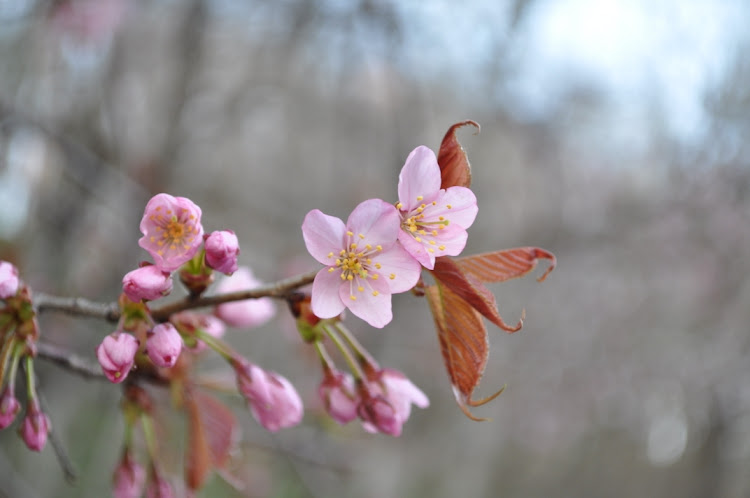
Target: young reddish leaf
pixel 463 343
pixel 471 290
pixel 454 165
pixel 197 454
pixel 500 266
pixel 212 429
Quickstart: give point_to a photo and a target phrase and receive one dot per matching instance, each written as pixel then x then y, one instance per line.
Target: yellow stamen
pixel 375 293
pixel 353 298
pixel 442 248
pixel 378 265
pixel 392 276
pixel 349 233
pixel 360 288
pixel 330 254
pixel 419 197
pixel 361 236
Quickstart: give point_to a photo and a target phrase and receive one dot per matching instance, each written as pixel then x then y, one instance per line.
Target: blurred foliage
pixel 629 376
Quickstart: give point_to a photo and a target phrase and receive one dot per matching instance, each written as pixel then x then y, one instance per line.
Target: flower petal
pixel 323 235
pixel 397 262
pixel 326 302
pixel 376 221
pixel 416 250
pixel 420 176
pixel 463 204
pixel 372 304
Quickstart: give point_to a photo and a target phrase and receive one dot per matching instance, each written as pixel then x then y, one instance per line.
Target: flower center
pixel 173 230
pixel 357 265
pixel 417 224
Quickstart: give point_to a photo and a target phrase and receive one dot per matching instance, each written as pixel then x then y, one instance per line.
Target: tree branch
pixel 110 312
pixel 280 289
pixel 68 360
pixel 77 306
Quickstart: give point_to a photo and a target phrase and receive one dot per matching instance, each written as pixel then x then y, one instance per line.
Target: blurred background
pixel 615 133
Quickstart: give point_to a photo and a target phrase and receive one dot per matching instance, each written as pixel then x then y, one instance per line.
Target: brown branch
pixel 77 306
pixel 110 312
pixel 280 289
pixel 69 361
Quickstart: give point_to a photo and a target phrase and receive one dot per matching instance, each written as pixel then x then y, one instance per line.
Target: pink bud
pixel 9 407
pixel 164 345
pixel 129 478
pixel 222 249
pixel 172 230
pixel 273 401
pixel 387 397
pixel 339 396
pixel 159 487
pixel 8 280
pixel 116 355
pixel 148 282
pixel 377 413
pixel 35 427
pixel 248 313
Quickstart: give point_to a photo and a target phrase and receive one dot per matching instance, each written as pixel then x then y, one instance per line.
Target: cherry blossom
pixel 35 427
pixel 387 396
pixel 339 396
pixel 8 280
pixel 129 478
pixel 364 263
pixel 222 249
pixel 172 230
pixel 164 345
pixel 148 282
pixel 9 407
pixel 273 400
pixel 433 220
pixel 116 355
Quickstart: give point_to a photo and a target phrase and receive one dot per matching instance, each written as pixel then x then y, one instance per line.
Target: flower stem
pixel 363 356
pixel 345 352
pixel 5 353
pixel 217 345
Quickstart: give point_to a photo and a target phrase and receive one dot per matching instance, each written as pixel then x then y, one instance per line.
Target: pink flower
pixel 116 355
pixel 129 478
pixel 247 313
pixel 433 220
pixel 148 282
pixel 35 427
pixel 339 396
pixel 222 249
pixel 189 322
pixel 273 401
pixel 8 280
pixel 9 407
pixel 164 345
pixel 394 390
pixel 172 230
pixel 159 487
pixel 364 264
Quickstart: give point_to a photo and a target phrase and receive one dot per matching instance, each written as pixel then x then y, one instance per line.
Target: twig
pixel 68 360
pixel 280 289
pixel 77 306
pixel 110 311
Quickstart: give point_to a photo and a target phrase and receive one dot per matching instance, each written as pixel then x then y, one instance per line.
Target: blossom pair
pixel 382 401
pixel 116 353
pixel 381 248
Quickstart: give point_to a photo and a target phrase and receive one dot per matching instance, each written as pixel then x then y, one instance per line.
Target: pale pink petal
pixel 374 222
pixel 420 176
pixel 452 240
pixel 326 302
pixel 400 270
pixel 417 250
pixel 463 204
pixel 372 304
pixel 323 235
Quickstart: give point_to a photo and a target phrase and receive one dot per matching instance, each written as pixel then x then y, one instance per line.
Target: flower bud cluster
pixel 19 332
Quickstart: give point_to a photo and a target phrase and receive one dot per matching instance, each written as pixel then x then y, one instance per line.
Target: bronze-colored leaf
pixel 500 266
pixel 463 344
pixel 211 434
pixel 454 165
pixel 470 289
pixel 197 454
